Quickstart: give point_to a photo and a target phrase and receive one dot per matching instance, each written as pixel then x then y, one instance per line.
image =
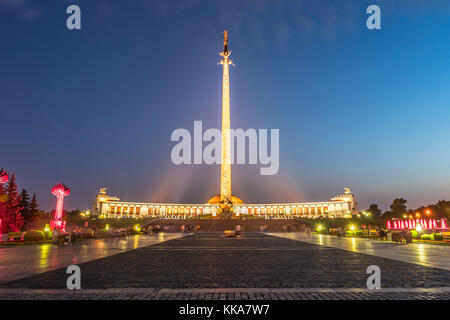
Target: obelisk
pixel 225 169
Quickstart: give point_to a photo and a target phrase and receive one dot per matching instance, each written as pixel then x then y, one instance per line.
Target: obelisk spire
pixel 225 169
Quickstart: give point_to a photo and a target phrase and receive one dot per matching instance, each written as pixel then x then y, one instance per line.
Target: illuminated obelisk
pixel 225 169
pixel 225 199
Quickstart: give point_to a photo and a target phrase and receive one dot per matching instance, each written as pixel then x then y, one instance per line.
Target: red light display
pixel 60 191
pixel 411 224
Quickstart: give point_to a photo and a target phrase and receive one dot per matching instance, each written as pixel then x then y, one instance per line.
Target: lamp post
pixel 60 191
pixel 3 179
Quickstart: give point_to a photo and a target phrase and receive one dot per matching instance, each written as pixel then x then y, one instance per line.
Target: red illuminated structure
pixel 412 224
pixel 3 179
pixel 60 191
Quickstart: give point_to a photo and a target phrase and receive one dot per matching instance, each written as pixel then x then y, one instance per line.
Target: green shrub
pixel 438 236
pixel 415 234
pixel 33 235
pixel 132 232
pixel 88 232
pixel 102 234
pixel 14 234
pixel 427 237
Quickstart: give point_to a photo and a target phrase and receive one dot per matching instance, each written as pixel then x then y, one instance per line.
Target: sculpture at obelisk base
pixel 60 191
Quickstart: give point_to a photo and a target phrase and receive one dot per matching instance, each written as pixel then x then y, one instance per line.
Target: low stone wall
pixel 230 224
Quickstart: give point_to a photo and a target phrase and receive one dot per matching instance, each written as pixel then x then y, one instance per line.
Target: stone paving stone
pixel 230 296
pixel 256 261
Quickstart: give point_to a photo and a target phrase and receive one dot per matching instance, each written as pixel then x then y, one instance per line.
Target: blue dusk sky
pixel 358 108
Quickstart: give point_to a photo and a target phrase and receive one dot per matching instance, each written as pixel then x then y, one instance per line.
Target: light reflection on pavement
pixel 20 261
pixel 418 253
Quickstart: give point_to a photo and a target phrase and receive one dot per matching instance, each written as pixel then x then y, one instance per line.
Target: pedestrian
pixel 408 237
pixel 55 236
pixel 238 230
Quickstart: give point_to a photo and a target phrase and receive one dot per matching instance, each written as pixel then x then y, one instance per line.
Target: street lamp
pixel 60 191
pixel 3 179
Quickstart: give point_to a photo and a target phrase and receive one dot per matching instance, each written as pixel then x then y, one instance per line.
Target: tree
pixel 439 210
pixel 442 209
pixel 398 207
pixel 14 219
pixel 34 206
pixel 374 210
pixel 73 216
pixel 25 204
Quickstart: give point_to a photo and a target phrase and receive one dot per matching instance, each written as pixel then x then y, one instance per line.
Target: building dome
pixel 216 200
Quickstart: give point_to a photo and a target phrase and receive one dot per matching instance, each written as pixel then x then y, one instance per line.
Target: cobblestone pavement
pixel 427 255
pixel 226 294
pixel 206 260
pixel 23 261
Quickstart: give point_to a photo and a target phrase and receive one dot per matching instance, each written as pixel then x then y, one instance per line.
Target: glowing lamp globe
pixel 60 190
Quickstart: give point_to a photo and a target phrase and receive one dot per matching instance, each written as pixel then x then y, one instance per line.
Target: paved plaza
pixel 23 261
pixel 258 266
pixel 418 253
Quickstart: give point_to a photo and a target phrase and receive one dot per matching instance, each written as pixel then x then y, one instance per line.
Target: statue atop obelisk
pixel 225 169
